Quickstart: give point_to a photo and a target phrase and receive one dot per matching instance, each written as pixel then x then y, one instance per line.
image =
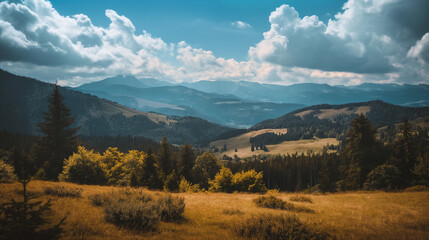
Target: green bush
pixel 222 181
pixel 384 177
pixel 62 191
pixel 83 167
pixel 206 167
pixel 187 187
pixel 277 227
pixel 301 198
pixel 7 173
pixel 170 209
pixel 250 181
pixel 172 182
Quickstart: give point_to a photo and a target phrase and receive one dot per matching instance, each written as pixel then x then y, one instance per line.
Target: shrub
pixel 7 173
pixel 418 188
pixel 132 214
pixel 222 181
pixel 206 167
pixel 384 177
pixel 187 187
pixel 172 182
pixel 170 209
pixel 277 227
pixel 62 191
pixel 83 167
pixel 250 181
pixel 301 198
pixel 273 202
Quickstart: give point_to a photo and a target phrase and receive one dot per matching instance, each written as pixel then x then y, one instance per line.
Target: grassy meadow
pixel 353 215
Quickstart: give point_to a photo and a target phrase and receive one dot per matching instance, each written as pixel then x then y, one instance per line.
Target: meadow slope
pixel 354 215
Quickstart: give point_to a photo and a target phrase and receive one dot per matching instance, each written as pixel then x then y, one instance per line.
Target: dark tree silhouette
pixel 59 139
pixel 165 160
pixel 186 161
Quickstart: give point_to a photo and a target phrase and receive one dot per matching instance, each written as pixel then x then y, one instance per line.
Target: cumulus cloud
pixel 33 32
pixel 240 24
pixel 368 37
pixel 421 49
pixel 369 41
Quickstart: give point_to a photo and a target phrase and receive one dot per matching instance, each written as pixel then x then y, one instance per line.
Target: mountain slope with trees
pixel 23 101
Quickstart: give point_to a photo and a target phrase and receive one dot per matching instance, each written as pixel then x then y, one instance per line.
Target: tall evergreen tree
pixel 404 157
pixel 151 177
pixel 59 139
pixel 165 160
pixel 360 153
pixel 186 161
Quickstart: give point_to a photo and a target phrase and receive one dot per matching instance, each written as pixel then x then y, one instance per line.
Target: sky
pixel 337 42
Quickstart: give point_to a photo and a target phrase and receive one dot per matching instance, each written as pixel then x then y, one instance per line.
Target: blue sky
pixel 344 42
pixel 202 23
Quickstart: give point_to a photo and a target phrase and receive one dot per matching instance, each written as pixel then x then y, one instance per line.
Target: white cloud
pixel 421 49
pixel 241 24
pixel 370 41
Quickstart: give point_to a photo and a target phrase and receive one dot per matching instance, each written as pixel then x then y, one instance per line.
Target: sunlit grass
pixel 354 215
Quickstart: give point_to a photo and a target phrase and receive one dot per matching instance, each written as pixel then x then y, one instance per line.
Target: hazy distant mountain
pixel 312 94
pixel 183 101
pixel 23 101
pixel 124 80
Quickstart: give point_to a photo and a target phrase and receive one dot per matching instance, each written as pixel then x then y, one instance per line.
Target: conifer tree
pixel 186 161
pixel 404 157
pixel 165 161
pixel 59 139
pixel 360 153
pixel 151 177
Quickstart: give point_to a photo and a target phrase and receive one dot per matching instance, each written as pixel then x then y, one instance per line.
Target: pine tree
pixel 186 161
pixel 151 177
pixel 165 161
pixel 404 157
pixel 24 220
pixel 360 153
pixel 59 140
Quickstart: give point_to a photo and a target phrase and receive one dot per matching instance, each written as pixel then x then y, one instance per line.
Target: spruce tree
pixel 165 161
pixel 186 161
pixel 360 153
pixel 151 177
pixel 404 157
pixel 59 139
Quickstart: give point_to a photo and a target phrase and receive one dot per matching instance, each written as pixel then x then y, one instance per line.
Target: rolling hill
pixel 23 101
pixel 312 93
pixel 183 101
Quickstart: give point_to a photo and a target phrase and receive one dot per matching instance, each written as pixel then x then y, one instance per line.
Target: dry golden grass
pixel 243 146
pixel 355 215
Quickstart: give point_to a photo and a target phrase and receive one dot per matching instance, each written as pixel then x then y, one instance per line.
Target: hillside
pixel 176 100
pixel 312 93
pixel 23 101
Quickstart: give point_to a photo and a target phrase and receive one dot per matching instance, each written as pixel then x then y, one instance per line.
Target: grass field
pixel 355 215
pixel 243 146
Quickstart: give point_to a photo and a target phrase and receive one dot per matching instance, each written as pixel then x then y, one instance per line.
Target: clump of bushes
pixel 84 167
pixel 273 202
pixel 170 208
pixel 7 173
pixel 300 198
pixel 188 187
pixel 132 214
pixel 63 191
pixel 137 210
pixel 250 181
pixel 278 227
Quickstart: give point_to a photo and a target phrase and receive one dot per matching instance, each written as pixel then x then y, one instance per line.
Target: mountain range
pixel 23 101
